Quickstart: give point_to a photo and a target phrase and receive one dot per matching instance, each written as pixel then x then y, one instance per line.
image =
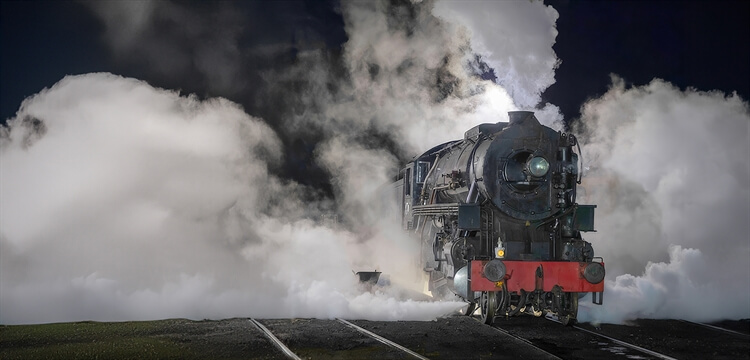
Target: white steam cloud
pixel 122 201
pixel 409 78
pixel 670 172
pixel 515 39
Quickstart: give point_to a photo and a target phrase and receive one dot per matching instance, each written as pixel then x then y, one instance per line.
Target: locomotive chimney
pixel 517 117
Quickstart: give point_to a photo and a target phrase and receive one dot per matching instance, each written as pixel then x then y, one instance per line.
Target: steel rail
pixel 618 342
pixel 717 328
pixel 527 341
pixel 382 339
pixel 634 347
pixel 280 345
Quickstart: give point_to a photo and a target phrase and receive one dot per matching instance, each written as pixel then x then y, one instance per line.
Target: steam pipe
pixel 424 187
pixel 472 170
pixel 471 192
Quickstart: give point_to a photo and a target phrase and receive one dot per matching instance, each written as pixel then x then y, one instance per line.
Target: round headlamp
pixel 538 166
pixel 594 273
pixel 494 270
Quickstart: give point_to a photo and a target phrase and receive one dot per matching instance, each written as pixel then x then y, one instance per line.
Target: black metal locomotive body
pixel 497 217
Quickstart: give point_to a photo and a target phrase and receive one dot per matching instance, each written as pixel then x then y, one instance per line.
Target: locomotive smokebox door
pixel 468 217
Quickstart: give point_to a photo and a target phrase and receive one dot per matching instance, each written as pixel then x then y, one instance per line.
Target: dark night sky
pixel 697 44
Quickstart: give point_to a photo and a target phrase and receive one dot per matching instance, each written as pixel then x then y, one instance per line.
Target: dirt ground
pixel 456 337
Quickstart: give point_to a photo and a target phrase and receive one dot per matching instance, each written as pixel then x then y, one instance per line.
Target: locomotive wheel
pixel 488 305
pixel 570 310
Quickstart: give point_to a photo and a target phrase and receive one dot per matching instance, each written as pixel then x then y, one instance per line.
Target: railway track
pixel 572 342
pixel 275 341
pixel 619 347
pixel 313 339
pixel 680 339
pixel 642 339
pixel 382 339
pixel 630 346
pixel 454 337
pixel 462 337
pixel 718 328
pixel 449 338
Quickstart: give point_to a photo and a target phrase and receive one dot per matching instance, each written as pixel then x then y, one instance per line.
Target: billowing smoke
pixel 515 39
pixel 173 41
pixel 124 201
pixel 669 170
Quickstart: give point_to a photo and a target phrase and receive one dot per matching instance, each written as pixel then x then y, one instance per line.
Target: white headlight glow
pixel 538 166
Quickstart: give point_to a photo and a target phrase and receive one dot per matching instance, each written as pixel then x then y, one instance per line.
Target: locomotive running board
pixel 435 209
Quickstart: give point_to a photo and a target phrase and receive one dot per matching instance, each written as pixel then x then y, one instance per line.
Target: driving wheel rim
pixel 488 304
pixel 571 309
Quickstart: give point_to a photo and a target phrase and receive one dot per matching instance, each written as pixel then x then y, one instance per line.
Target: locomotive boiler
pixel 498 221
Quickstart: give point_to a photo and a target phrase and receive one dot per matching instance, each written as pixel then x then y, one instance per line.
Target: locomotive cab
pixel 413 176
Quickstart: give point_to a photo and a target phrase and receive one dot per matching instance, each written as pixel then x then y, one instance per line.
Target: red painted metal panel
pixel 477 281
pixel 522 275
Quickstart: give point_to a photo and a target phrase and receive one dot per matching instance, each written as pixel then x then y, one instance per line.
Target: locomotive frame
pixel 497 218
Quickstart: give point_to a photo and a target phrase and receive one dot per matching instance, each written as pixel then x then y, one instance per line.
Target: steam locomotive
pixel 498 221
